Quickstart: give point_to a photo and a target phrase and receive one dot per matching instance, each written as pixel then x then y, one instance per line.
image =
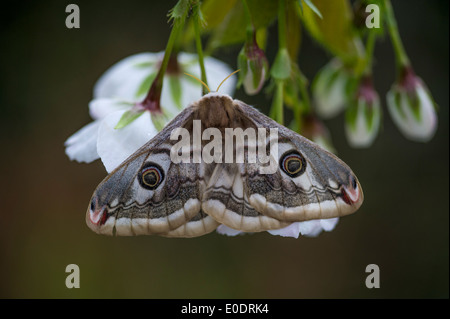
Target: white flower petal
pixel 249 83
pixel 116 145
pixel 101 107
pixel 124 78
pixel 329 224
pixel 309 228
pixel 82 145
pixel 428 125
pixel 417 130
pixel 119 84
pixel 361 135
pixel 293 230
pixel 216 72
pixel 329 89
pixel 225 230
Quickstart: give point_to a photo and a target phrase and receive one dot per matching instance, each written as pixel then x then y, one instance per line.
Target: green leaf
pixel 290 97
pixel 128 117
pixel 414 105
pixel 351 114
pixel 335 29
pixel 180 10
pixel 215 11
pixel 145 85
pixel 369 115
pixel 232 29
pixel 144 65
pixel 159 120
pixel 312 7
pixel 175 89
pixel 398 98
pixel 261 38
pixel 242 65
pixel 293 30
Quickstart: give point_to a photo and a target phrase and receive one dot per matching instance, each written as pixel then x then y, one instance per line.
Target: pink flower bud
pixel 411 107
pixel 363 116
pixel 254 66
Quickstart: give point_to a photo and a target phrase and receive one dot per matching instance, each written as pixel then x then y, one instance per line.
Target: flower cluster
pixel 409 103
pixel 139 95
pixel 340 86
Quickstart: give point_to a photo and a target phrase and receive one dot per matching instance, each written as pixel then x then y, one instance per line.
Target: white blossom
pixel 331 88
pixel 412 108
pixel 363 116
pixel 120 88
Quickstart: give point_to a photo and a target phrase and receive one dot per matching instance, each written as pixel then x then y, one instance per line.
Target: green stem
pixel 400 53
pixel 298 117
pixel 282 44
pixel 174 35
pixel 370 45
pixel 248 19
pixel 278 102
pixel 170 43
pixel 304 92
pixel 198 43
pixel 282 24
pixel 152 100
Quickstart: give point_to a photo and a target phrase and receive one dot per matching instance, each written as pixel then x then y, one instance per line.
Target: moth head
pixel 216 110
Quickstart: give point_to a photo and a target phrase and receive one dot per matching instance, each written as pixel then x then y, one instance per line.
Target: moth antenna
pixel 226 79
pixel 192 76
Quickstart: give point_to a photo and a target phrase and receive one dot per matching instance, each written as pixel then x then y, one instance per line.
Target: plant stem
pixel 248 19
pixel 170 43
pixel 278 101
pixel 304 92
pixel 282 24
pixel 198 43
pixel 152 99
pixel 400 53
pixel 370 45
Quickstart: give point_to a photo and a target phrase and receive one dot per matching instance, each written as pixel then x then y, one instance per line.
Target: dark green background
pixel 47 76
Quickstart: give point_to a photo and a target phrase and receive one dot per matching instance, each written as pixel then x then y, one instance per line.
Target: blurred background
pixel 47 73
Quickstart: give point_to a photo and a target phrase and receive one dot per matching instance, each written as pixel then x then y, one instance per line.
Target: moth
pixel 151 194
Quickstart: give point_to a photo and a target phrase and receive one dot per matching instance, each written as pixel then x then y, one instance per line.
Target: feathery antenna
pixel 192 76
pixel 226 79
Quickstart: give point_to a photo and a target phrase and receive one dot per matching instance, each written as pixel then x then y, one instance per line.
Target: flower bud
pixel 363 116
pixel 254 67
pixel 331 89
pixel 411 107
